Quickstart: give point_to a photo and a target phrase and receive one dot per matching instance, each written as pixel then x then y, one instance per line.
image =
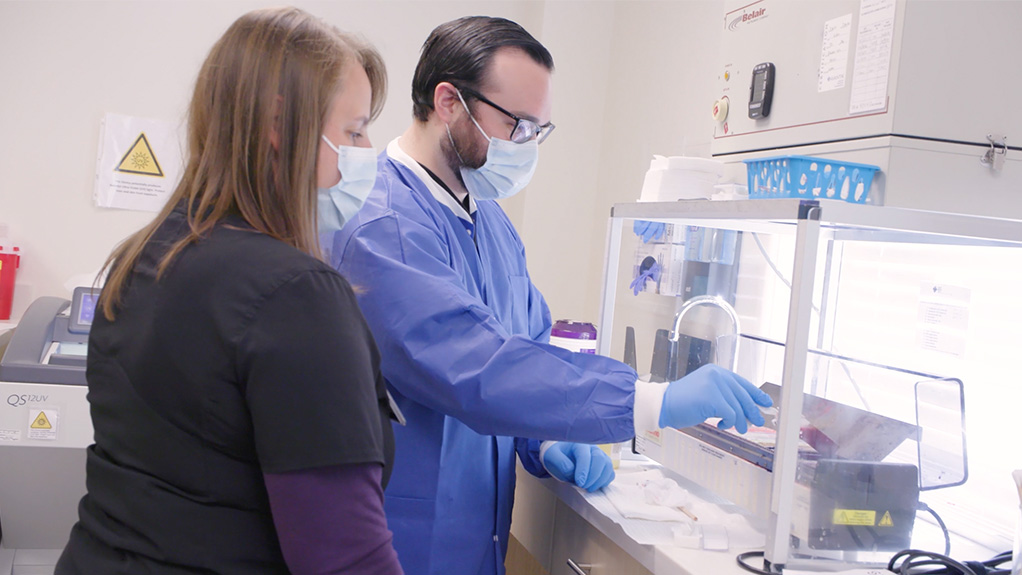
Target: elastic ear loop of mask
pixel 470 117
pixel 453 145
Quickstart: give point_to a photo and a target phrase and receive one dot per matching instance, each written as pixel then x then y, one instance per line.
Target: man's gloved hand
pixel 648 230
pixel 712 391
pixel 584 465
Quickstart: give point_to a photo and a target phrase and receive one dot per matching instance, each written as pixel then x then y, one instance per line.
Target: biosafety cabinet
pixel 926 90
pixel 887 339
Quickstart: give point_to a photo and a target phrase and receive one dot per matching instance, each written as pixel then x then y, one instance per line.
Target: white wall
pixel 559 208
pixel 65 65
pixel 633 79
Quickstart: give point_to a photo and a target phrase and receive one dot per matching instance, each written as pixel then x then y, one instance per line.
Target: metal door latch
pixel 994 157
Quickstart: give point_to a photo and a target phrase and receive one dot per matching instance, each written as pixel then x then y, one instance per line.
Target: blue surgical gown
pixel 463 337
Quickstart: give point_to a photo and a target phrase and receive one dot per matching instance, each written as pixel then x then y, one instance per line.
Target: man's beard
pixel 467 151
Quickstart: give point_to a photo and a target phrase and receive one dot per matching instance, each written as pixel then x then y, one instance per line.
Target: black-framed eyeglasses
pixel 524 129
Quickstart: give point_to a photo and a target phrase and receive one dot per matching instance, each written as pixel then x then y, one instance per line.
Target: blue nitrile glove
pixel 712 391
pixel 648 230
pixel 584 465
pixel 651 273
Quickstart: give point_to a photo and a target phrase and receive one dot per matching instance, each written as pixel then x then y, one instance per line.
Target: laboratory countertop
pixel 659 559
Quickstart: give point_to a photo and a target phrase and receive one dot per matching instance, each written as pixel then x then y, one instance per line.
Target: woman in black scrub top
pixel 241 421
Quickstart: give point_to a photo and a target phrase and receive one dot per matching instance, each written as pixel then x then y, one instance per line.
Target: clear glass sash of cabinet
pixel 872 328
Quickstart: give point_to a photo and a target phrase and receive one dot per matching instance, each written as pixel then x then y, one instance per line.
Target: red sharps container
pixel 10 259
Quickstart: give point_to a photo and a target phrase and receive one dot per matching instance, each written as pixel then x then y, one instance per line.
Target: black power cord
pixel 916 562
pixel 913 562
pixel 947 537
pixel 741 559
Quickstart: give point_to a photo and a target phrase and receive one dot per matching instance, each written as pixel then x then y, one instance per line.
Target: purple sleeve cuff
pixel 331 520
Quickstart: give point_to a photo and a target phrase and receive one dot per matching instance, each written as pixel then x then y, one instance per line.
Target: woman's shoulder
pixel 249 247
pixel 244 263
pixel 232 247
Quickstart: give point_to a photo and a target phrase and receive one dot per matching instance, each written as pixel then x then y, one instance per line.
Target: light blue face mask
pixel 508 168
pixel 340 202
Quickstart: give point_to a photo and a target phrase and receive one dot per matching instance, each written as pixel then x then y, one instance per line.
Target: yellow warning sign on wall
pixel 41 422
pixel 139 164
pixel 140 159
pixel 885 521
pixel 854 517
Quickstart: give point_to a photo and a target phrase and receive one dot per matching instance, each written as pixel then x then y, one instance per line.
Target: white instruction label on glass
pixel 945 292
pixel 935 340
pixel 834 53
pixel 943 317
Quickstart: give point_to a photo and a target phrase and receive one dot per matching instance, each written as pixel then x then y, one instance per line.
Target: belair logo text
pixel 746 16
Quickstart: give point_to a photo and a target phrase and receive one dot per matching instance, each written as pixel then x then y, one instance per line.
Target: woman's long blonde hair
pixel 273 68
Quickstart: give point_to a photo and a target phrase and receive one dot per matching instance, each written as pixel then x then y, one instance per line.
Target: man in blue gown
pixel 442 281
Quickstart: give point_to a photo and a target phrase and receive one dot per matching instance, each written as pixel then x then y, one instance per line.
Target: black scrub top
pixel 246 356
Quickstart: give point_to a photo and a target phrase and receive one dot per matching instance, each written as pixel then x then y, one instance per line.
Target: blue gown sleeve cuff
pixel 528 453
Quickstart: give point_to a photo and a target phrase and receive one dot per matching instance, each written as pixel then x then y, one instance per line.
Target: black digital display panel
pixel 761 90
pixel 83 309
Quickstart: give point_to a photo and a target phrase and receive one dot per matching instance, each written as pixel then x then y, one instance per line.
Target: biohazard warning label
pixel 43 423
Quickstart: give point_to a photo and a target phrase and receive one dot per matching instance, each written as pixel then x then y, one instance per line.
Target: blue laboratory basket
pixel 809 177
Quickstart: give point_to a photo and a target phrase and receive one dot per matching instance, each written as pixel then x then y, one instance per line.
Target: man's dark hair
pixel 460 51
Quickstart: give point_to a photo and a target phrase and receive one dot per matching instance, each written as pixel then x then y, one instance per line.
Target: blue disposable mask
pixel 508 168
pixel 340 202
